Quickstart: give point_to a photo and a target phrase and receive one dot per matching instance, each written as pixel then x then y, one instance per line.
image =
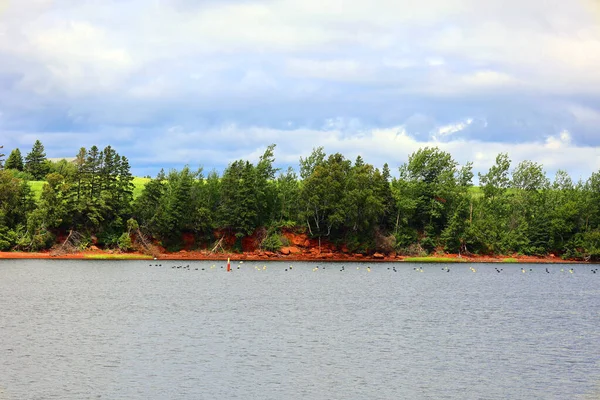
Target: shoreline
pixel 269 256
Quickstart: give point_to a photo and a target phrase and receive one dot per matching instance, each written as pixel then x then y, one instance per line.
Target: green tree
pixel 308 164
pixel 34 161
pixel 362 204
pixel 383 189
pixel 456 234
pixel 16 202
pixel 265 187
pixel 148 206
pixel 15 160
pixel 489 232
pixel 430 181
pixel 529 223
pixel 322 195
pixel 210 196
pixel 238 209
pixel 288 194
pixel 497 180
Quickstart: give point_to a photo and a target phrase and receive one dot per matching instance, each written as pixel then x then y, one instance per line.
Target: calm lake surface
pixel 128 330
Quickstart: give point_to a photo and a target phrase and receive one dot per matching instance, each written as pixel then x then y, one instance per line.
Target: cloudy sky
pixel 205 82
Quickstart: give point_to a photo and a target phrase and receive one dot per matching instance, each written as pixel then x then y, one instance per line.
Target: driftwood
pixel 145 244
pixel 218 245
pixel 71 244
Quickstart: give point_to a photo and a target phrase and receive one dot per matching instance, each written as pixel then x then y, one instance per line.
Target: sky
pixel 206 82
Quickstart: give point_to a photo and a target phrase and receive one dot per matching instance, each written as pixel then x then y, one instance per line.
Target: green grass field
pixel 433 260
pixel 139 183
pixel 475 192
pixel 36 188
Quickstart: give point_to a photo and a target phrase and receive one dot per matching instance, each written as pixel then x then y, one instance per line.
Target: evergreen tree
pixel 15 160
pixel 147 205
pixel 264 186
pixel 362 204
pixel 288 193
pixel 16 202
pixel 176 203
pixel 211 194
pixel 238 209
pixel 1 158
pixel 384 191
pixel 35 161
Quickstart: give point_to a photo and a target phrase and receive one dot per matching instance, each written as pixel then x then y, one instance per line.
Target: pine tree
pixel 147 205
pixel 1 157
pixel 34 161
pixel 15 160
pixel 238 210
pixel 124 186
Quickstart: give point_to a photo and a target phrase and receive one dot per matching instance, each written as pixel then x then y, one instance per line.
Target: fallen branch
pixel 218 245
pixel 71 244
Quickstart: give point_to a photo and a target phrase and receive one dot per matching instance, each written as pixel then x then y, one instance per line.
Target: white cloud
pixel 560 141
pixel 98 67
pixel 328 69
pixel 467 45
pixel 392 145
pixel 585 115
pixel 449 129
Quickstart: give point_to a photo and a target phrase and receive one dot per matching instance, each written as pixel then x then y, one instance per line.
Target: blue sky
pixel 175 82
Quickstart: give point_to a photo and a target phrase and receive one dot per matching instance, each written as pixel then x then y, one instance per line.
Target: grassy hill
pixel 138 182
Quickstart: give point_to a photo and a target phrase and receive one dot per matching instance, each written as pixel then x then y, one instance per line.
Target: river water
pixel 136 330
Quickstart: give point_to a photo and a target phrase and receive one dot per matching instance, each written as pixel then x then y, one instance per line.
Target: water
pixel 127 330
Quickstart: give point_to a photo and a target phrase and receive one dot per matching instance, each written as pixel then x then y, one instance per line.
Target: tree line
pixel 431 206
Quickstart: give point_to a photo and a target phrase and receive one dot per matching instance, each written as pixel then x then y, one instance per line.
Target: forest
pixel 432 206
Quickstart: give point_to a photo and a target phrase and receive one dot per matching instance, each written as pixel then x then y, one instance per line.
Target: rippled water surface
pixel 131 330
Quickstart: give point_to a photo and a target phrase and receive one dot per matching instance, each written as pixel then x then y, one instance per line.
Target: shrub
pixel 272 242
pixel 124 242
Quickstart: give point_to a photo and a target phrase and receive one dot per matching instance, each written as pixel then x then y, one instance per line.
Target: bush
pixel 272 242
pixel 428 244
pixel 405 237
pixel 584 246
pixel 26 176
pixel 124 242
pixel 413 249
pixel 385 244
pixel 8 238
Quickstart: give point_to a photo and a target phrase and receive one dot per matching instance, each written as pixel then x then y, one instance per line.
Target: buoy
pixel 228 265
